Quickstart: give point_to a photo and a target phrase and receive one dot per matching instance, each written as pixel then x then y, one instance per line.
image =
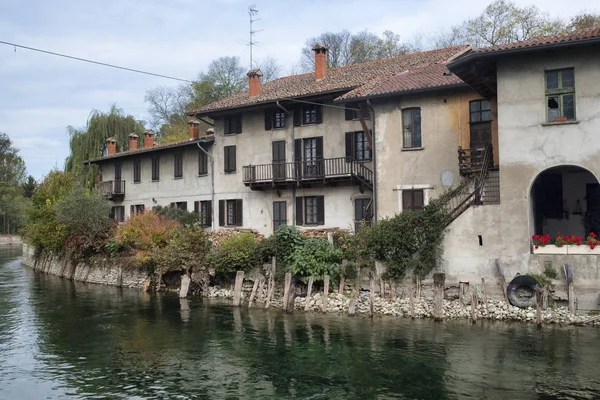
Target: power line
pixel 93 62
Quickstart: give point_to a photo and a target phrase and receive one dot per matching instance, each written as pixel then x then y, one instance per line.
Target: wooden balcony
pixel 327 171
pixel 470 161
pixel 113 190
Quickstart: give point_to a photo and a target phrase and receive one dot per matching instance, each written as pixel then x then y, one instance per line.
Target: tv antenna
pixel 252 11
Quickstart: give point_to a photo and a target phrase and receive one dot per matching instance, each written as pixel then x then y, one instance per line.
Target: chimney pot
pixel 194 129
pixel 133 141
pixel 148 138
pixel 111 146
pixel 254 82
pixel 320 60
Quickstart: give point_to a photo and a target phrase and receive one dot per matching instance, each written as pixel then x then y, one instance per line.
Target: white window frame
pixel 424 187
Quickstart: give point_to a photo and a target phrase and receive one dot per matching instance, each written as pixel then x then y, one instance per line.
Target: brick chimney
pixel 133 141
pixel 320 60
pixel 194 129
pixel 254 82
pixel 148 138
pixel 111 146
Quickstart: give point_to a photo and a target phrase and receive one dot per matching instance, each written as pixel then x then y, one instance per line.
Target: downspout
pixel 373 136
pixel 212 186
pixel 293 158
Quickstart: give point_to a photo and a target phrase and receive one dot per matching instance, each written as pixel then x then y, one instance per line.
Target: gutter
pixel 401 93
pixel 212 186
pixel 293 158
pixel 374 152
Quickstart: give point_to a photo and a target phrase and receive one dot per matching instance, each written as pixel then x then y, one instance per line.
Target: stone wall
pixel 102 271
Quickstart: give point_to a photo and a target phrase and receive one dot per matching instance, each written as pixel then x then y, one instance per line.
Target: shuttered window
pixel 279 214
pixel 351 112
pixel 274 119
pixel 137 171
pixel 155 168
pixel 362 213
pixel 357 146
pixel 204 211
pixel 202 163
pixel 308 114
pixel 178 165
pixel 232 124
pixel 411 128
pixel 118 213
pixel 230 164
pixel 412 199
pixel 231 212
pixel 310 210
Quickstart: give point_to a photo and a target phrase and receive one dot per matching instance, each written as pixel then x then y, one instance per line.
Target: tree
pixel 90 142
pixel 583 20
pixel 12 166
pixel 346 48
pixel 168 105
pixel 270 69
pixel 29 187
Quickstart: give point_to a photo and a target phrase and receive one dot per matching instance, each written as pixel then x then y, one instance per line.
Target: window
pixel 412 199
pixel 137 171
pixel 230 159
pixel 362 213
pixel 308 153
pixel 182 205
pixel 310 210
pixel 351 112
pixel 230 212
pixel 357 146
pixel 232 124
pixel 274 119
pixel 279 214
pixel 178 165
pixel 202 163
pixel 118 213
pixel 117 171
pixel 560 95
pixel 480 111
pixel 308 114
pixel 136 209
pixel 411 128
pixel 204 209
pixel 155 168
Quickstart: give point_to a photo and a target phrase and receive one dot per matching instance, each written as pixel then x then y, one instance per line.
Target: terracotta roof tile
pixel 584 34
pixel 337 79
pixel 429 76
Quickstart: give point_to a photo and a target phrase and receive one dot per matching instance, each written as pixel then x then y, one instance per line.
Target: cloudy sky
pixel 40 95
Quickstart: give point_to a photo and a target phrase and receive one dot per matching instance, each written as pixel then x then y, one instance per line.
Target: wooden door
pixel 278 148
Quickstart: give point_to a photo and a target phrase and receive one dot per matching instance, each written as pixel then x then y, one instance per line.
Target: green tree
pixel 29 186
pixel 583 20
pixel 90 141
pixel 12 176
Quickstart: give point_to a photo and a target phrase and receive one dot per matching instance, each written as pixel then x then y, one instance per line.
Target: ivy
pixel 316 257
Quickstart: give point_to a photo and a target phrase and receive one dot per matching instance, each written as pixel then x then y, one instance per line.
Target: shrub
pixel 316 257
pixel 83 213
pixel 236 253
pixel 187 250
pixel 286 240
pixel 184 217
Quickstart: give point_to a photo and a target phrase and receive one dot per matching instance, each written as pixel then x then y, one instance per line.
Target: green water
pixel 60 339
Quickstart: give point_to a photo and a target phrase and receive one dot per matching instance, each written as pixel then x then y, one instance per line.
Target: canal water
pixel 65 340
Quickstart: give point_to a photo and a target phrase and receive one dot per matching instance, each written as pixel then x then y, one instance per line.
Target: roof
pixel 336 79
pixel 433 76
pixel 578 36
pixel 156 147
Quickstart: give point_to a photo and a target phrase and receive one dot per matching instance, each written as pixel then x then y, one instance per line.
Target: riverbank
pixel 10 240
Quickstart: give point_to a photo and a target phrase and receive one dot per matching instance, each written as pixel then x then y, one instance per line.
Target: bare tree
pixel 168 105
pixel 270 69
pixel 584 20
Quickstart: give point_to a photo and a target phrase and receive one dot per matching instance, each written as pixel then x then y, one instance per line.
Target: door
pixel 313 157
pixel 278 160
pixel 592 215
pixel 279 214
pixel 117 184
pixel 480 118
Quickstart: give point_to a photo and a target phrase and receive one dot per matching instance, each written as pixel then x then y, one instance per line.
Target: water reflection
pixel 60 339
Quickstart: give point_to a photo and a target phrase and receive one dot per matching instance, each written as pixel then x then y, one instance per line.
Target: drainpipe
pixel 212 186
pixel 293 158
pixel 374 163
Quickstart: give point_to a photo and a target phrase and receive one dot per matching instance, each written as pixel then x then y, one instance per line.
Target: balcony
pixel 113 190
pixel 328 171
pixel 470 161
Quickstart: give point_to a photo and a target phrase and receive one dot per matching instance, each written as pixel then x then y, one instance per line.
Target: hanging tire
pixel 521 291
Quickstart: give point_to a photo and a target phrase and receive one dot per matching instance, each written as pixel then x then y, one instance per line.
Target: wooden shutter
pixel 221 212
pixel 319 114
pixel 268 120
pixel 320 210
pixel 416 117
pixel 202 163
pixel 197 207
pixel 131 211
pixel 319 140
pixel 208 216
pixel 297 116
pixel 349 113
pixel 226 125
pixel 349 146
pixel 299 217
pixel 418 199
pixel 238 123
pixel 230 161
pixel 239 212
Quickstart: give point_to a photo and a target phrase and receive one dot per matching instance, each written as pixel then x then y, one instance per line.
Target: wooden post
pixel 412 304
pixel 253 293
pixel 342 278
pixel 205 284
pixel 237 290
pixel 461 293
pixel 260 296
pixel 545 299
pixel 271 286
pixel 291 301
pixel 483 292
pixel 570 288
pixel 325 292
pixel 185 285
pixel 355 292
pixel 474 307
pixel 371 294
pixel 286 289
pixel 502 280
pixel 308 293
pixel 418 292
pixel 392 289
pixel 538 308
pixel 438 295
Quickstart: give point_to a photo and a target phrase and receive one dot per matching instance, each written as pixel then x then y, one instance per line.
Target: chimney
pixel 133 141
pixel 194 129
pixel 148 138
pixel 111 146
pixel 254 84
pixel 320 61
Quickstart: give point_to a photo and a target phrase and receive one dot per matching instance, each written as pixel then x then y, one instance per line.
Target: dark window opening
pixel 118 213
pixel 155 168
pixel 310 210
pixel 411 128
pixel 351 112
pixel 480 111
pixel 560 95
pixel 204 210
pixel 178 165
pixel 363 214
pixel 412 199
pixel 231 212
pixel 279 214
pixel 202 163
pixel 308 114
pixel 357 146
pixel 232 124
pixel 230 159
pixel 137 171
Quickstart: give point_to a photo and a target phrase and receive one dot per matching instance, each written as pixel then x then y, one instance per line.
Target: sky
pixel 40 95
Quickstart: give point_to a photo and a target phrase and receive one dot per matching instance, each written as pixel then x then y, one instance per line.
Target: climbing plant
pixel 316 257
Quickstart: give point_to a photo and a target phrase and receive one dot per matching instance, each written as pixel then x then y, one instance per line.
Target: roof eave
pixel 404 92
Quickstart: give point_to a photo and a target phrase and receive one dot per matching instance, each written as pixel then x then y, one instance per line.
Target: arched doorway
pixel 565 200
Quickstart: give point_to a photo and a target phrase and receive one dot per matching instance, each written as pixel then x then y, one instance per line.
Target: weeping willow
pixel 90 142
